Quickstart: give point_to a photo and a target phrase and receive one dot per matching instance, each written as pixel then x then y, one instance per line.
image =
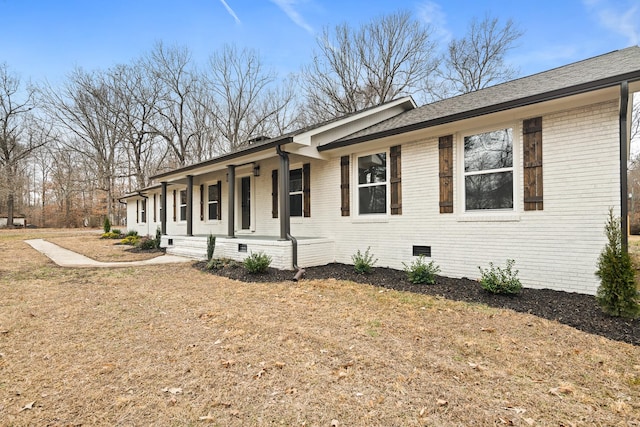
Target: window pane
pixel 295 204
pixel 213 210
pixel 486 151
pixel 213 193
pixel 489 191
pixel 373 199
pixel 295 180
pixel 372 168
pixel 183 213
pixel 183 197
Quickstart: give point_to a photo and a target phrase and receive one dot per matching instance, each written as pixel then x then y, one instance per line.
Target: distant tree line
pixel 69 152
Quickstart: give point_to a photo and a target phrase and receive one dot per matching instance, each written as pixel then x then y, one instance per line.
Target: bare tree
pixel 287 106
pixel 247 103
pixel 207 142
pixel 86 107
pixel 635 119
pixel 19 134
pixel 171 67
pixel 67 178
pixel 136 100
pixel 357 68
pixel 477 60
pixel 43 162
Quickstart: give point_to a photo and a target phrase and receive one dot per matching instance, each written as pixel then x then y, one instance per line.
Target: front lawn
pixel 171 345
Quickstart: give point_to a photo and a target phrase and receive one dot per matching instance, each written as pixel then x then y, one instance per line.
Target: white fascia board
pixel 305 138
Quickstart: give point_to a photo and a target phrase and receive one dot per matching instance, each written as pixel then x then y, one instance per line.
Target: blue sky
pixel 44 39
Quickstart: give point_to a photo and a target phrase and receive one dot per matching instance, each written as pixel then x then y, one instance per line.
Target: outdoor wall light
pixel 256 170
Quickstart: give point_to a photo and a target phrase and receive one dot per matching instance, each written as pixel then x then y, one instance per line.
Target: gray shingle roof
pixel 267 143
pixel 600 71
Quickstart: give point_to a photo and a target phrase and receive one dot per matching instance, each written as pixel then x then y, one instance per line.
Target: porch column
pixel 163 210
pixel 231 178
pixel 189 205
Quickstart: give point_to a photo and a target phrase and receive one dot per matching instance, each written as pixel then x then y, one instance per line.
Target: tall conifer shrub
pixel 617 293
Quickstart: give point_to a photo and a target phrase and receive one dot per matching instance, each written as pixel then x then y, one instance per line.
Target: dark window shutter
pixel 174 205
pixel 155 206
pixel 137 210
pixel 306 189
pixel 274 193
pixel 219 188
pixel 344 185
pixel 532 157
pixel 396 180
pixel 201 202
pixel 445 149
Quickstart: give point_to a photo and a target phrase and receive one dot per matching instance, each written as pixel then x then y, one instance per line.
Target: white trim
pixel 460 175
pixel 180 205
pixel 252 201
pixel 301 192
pixel 356 185
pixel 206 202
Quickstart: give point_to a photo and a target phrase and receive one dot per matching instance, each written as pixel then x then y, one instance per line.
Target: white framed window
pixel 372 180
pixel 143 210
pixel 212 202
pixel 295 192
pixel 488 170
pixel 183 205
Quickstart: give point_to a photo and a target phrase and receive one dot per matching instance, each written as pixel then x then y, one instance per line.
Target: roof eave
pixel 226 157
pixel 520 102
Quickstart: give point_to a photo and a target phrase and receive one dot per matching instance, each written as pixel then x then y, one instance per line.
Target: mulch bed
pixel 577 310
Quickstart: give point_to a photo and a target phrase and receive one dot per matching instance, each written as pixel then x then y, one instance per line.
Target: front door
pixel 245 197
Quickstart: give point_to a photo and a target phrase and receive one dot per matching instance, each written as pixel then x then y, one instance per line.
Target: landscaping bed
pixel 577 310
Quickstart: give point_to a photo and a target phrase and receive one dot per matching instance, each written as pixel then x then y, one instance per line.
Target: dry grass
pixel 106 250
pixel 169 345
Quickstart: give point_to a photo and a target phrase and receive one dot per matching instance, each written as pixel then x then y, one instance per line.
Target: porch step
pixel 191 247
pixel 194 253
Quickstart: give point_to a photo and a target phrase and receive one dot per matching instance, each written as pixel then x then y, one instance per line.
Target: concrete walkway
pixel 66 258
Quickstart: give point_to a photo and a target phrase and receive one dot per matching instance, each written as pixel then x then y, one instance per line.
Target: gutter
pixel 285 220
pixel 624 155
pixel 226 157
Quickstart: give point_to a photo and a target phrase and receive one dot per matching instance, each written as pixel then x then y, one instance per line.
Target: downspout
pixel 624 155
pixel 285 219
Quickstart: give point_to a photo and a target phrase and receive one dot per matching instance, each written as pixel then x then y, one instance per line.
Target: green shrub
pixel 211 246
pixel 220 263
pixel 363 263
pixel 419 272
pixel 130 233
pixel 145 243
pixel 158 238
pixel 116 231
pixel 617 293
pixel 113 234
pixel 500 281
pixel 130 240
pixel 257 263
pixel 106 225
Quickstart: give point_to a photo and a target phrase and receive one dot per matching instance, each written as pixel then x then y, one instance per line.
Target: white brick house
pixel 525 170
